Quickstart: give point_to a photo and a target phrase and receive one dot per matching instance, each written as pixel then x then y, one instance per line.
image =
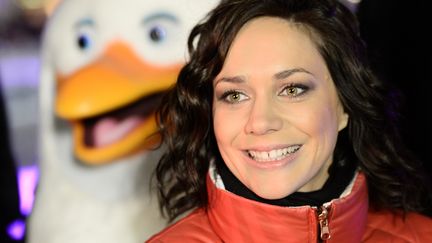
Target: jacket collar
pixel 237 219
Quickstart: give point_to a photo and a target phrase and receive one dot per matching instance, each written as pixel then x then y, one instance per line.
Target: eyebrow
pixel 235 79
pixel 286 73
pixel 85 22
pixel 158 16
pixel 278 76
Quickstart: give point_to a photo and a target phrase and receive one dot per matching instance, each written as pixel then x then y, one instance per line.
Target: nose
pixel 263 117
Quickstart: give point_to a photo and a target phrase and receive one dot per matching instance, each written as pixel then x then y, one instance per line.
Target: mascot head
pixel 107 62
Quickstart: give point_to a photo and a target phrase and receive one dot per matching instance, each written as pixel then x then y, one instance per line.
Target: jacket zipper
pixel 323 213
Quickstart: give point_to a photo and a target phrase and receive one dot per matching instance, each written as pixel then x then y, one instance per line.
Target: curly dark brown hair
pixel 371 138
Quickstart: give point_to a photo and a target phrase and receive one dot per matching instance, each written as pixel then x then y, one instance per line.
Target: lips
pixel 108 128
pixel 273 155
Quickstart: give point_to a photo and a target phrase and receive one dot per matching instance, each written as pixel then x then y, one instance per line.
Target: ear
pixel 343 120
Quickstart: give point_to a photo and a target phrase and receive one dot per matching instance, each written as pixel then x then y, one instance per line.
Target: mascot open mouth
pixel 108 128
pixel 110 104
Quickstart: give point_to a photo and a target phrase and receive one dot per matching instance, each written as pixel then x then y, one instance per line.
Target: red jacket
pixel 231 218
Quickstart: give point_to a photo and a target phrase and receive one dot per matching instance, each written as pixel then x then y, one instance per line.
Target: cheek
pixel 328 120
pixel 218 127
pixel 313 119
pixel 326 128
pixel 225 128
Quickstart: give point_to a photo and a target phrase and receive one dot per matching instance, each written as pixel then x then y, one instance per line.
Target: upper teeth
pixel 273 155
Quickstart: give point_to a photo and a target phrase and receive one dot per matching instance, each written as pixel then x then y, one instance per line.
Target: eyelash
pixel 303 89
pixel 226 94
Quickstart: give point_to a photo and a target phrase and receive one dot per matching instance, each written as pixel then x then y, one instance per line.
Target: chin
pixel 272 194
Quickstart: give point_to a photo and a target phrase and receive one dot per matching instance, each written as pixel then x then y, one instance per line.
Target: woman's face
pixel 276 112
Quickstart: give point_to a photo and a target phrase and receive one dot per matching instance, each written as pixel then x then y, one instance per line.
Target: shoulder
pixel 387 226
pixel 193 228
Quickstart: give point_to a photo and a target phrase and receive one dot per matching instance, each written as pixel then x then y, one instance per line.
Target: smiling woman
pixel 287 112
pixel 277 131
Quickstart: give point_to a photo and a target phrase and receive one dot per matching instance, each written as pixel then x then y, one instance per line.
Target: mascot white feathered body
pixel 104 65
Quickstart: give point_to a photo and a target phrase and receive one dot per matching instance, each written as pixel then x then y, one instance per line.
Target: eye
pixel 293 90
pixel 158 34
pixel 233 97
pixel 161 28
pixel 85 33
pixel 84 42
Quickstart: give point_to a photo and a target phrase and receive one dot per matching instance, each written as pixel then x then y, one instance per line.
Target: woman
pixel 273 129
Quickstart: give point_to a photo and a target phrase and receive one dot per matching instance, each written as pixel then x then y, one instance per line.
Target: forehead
pixel 270 40
pixel 267 45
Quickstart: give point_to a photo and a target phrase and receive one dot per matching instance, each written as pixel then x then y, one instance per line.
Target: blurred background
pixel 20 27
pixel 394 32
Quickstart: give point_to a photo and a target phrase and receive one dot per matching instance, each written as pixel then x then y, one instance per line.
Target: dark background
pixel 398 37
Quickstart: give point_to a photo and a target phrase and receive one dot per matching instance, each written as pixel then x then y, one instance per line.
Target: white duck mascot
pixel 104 66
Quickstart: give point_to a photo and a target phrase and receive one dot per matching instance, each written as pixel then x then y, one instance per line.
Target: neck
pixel 340 175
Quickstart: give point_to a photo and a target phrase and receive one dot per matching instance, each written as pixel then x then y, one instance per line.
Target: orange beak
pixel 117 79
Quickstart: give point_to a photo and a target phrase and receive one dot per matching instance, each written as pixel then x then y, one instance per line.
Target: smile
pixel 273 155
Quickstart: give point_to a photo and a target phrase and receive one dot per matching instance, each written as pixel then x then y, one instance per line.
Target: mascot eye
pixel 157 34
pixel 84 42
